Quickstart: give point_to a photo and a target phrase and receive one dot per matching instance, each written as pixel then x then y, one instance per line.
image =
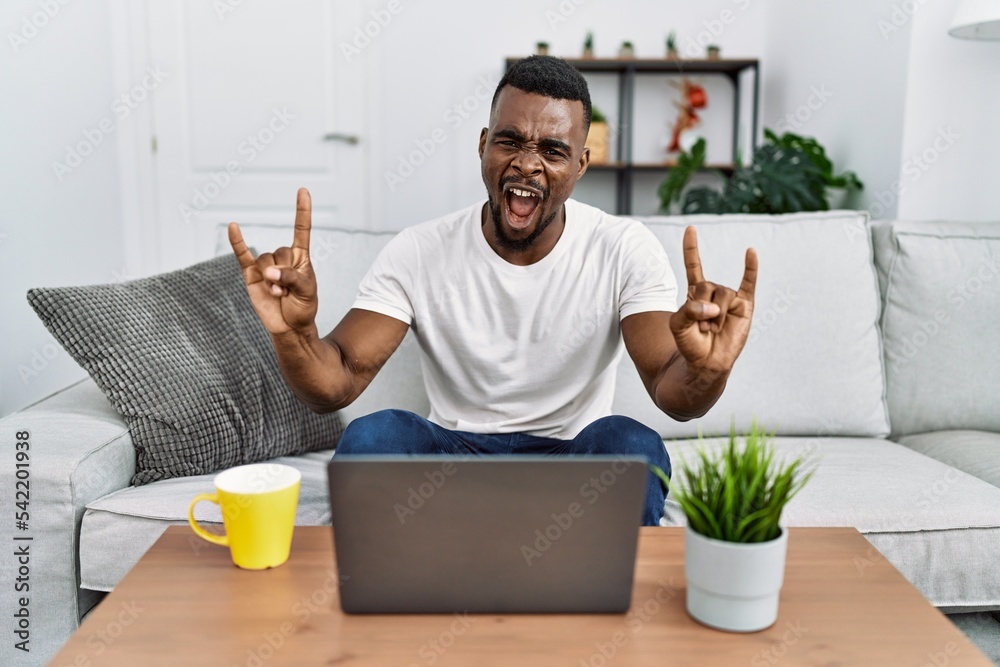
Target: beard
pixel 500 234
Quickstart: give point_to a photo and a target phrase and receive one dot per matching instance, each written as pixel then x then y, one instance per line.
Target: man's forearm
pixel 685 392
pixel 314 370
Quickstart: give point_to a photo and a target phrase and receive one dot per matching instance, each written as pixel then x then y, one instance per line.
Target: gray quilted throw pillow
pixel 185 361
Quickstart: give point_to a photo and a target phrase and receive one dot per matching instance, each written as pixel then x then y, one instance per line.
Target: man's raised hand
pixel 712 326
pixel 281 284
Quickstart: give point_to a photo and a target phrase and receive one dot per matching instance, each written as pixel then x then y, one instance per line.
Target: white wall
pixel 421 68
pixel 434 56
pixel 951 131
pixel 55 86
pixel 831 73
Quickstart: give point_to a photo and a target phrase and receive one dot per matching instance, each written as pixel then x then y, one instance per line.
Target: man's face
pixel 532 156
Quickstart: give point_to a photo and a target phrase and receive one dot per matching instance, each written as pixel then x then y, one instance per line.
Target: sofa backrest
pixel 940 319
pixel 812 364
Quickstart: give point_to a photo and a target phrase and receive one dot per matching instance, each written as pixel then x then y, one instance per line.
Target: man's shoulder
pixel 600 224
pixel 445 226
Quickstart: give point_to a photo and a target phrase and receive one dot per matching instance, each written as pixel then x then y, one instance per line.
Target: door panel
pixel 241 117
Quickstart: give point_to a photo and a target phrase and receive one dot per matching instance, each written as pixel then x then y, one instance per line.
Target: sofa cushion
pixel 974 452
pixel 340 259
pixel 938 526
pixel 942 287
pixel 120 527
pixel 812 364
pixel 185 361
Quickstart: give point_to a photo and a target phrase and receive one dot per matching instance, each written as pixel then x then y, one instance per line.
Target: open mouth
pixel 521 203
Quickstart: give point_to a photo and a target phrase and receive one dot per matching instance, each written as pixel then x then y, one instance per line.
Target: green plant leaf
pixel 708 518
pixel 788 181
pixel 702 199
pixel 677 178
pixel 788 173
pixel 817 154
pixel 738 493
pixel 846 181
pixel 779 180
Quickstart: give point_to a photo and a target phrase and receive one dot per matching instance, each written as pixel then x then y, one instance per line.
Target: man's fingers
pixel 303 220
pixel 697 310
pixel 284 257
pixel 240 248
pixel 710 305
pixel 749 284
pixel 692 261
pixel 723 299
pixel 265 260
pixel 285 278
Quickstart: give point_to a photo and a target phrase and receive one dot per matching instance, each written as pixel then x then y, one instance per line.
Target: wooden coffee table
pixel 185 603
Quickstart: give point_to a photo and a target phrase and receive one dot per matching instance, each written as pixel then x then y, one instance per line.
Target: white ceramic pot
pixel 733 586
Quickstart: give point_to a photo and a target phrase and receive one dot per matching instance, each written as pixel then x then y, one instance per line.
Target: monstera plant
pixel 788 173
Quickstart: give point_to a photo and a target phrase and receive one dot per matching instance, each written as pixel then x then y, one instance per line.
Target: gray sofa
pixel 873 348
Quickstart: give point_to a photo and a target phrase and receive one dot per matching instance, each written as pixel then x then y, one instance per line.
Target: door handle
pixel 339 136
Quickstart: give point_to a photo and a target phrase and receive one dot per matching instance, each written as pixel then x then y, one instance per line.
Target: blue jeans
pixel 402 432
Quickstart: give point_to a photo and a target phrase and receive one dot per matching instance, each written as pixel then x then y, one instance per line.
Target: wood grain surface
pixel 185 603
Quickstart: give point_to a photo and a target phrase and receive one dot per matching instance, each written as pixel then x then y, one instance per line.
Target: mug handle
pixel 221 540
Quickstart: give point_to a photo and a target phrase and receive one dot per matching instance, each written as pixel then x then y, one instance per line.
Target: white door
pixel 255 100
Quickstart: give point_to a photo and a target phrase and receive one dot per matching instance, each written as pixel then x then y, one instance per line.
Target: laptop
pixel 486 534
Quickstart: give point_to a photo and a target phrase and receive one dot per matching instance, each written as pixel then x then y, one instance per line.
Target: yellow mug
pixel 258 504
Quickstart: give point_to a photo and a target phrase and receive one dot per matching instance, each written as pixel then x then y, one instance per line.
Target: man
pixel 520 305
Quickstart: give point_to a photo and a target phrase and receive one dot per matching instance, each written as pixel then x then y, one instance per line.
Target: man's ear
pixel 482 142
pixel 584 162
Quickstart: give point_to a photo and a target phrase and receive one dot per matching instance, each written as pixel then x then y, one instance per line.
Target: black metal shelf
pixel 627 69
pixel 726 169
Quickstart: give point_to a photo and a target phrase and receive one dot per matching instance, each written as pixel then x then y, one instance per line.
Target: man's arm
pixel 330 373
pixel 324 373
pixel 677 388
pixel 684 358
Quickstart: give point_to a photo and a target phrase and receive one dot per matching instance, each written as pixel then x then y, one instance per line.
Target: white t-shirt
pixel 527 349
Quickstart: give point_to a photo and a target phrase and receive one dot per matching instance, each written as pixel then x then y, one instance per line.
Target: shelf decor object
pixel 672 46
pixel 626 50
pixel 976 19
pixel 626 71
pixel 598 138
pixel 542 48
pixel 588 45
pixel 693 98
pixel 712 52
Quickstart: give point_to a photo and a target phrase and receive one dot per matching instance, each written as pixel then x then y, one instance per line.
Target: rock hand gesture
pixel 326 373
pixel 281 285
pixel 712 326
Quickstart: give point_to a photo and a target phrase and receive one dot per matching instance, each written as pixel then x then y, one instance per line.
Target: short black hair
pixel 548 76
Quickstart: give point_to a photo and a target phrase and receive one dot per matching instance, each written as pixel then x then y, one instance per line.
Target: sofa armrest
pixel 79 449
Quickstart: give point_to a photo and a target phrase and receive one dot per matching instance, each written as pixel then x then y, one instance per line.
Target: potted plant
pixel 542 48
pixel 734 555
pixel 672 46
pixel 712 51
pixel 787 174
pixel 588 45
pixel 598 137
pixel 626 50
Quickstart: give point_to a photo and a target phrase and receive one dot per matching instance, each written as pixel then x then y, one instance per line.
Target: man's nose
pixel 527 162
